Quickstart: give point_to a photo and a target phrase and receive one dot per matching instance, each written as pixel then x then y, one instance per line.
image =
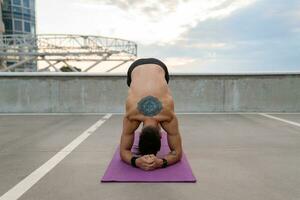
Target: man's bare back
pixel 149 101
pixel 148 80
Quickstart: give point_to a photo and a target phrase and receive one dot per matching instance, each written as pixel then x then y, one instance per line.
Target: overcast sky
pixel 189 35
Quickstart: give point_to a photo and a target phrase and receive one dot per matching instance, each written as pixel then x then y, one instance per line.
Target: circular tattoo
pixel 149 106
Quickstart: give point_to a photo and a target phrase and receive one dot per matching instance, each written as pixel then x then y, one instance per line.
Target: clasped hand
pixel 148 162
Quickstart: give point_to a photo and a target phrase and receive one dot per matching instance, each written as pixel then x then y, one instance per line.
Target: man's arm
pixel 127 138
pixel 174 140
pixel 129 126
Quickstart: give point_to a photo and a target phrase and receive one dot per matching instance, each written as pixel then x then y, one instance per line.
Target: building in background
pixel 1 30
pixel 19 18
pixel 1 21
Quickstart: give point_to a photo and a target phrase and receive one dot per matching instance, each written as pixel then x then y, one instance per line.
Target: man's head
pixel 149 142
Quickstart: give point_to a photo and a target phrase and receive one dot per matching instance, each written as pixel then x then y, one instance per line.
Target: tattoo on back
pixel 149 106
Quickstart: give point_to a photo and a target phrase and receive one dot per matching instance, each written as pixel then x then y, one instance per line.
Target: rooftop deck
pixel 234 156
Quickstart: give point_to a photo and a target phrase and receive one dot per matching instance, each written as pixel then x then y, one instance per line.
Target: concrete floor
pixel 233 156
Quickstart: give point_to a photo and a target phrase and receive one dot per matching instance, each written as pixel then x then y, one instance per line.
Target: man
pixel 149 101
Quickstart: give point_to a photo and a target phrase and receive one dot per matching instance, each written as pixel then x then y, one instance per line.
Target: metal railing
pixel 56 48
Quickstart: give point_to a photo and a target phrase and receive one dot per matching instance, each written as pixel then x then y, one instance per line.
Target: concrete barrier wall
pixel 96 92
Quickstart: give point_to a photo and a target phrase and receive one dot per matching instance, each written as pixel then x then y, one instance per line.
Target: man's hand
pixel 144 162
pixel 157 162
pixel 149 162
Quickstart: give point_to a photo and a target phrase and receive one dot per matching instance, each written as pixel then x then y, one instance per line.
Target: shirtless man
pixel 149 101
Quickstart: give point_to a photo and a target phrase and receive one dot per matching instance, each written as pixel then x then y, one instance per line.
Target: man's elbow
pixel 179 155
pixel 122 154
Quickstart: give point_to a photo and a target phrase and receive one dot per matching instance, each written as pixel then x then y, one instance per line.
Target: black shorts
pixel 143 61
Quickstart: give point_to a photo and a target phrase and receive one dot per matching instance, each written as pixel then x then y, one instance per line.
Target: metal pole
pixel 18 64
pixel 118 65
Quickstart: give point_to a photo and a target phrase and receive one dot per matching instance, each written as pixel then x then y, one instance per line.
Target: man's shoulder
pixel 131 115
pixel 168 109
pixel 168 116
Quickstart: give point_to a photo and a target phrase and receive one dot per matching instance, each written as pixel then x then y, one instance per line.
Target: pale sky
pixel 188 35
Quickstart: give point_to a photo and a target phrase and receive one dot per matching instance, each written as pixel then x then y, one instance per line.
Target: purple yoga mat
pixel 119 171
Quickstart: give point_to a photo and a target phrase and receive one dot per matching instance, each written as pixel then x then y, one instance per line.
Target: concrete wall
pixel 92 93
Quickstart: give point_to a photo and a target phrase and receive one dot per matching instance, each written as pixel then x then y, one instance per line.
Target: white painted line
pixel 50 114
pixel 18 190
pixel 216 113
pixel 284 113
pixel 280 119
pixel 120 113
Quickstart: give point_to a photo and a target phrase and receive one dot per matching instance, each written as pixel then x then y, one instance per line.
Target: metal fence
pixel 57 48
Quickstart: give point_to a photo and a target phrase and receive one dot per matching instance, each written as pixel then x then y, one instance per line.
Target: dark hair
pixel 149 142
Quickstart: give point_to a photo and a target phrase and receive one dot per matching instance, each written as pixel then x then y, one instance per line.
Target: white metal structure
pixel 62 49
